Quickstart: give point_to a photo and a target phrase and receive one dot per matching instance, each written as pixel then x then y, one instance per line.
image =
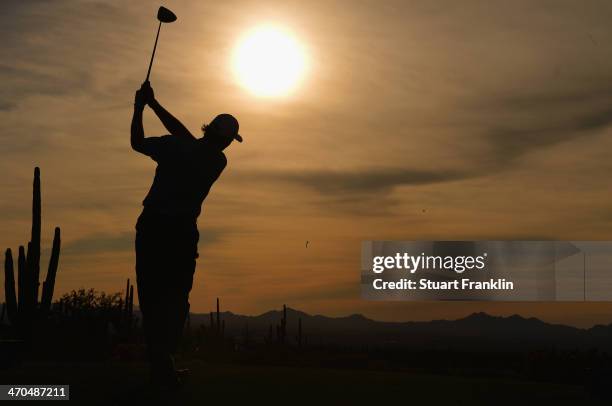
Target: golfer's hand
pixel 140 99
pixel 147 91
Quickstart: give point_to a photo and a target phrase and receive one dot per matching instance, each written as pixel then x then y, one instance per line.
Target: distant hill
pixel 478 331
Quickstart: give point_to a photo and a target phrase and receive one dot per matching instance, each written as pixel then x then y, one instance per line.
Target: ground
pixel 120 383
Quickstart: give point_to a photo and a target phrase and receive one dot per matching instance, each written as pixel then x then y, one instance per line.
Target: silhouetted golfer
pixel 166 231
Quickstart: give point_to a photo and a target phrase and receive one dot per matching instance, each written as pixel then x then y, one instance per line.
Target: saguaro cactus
pixel 217 326
pixel 33 257
pixel 281 330
pixel 9 290
pixel 218 319
pixel 131 305
pixel 21 279
pixel 49 283
pixel 24 307
pixel 126 309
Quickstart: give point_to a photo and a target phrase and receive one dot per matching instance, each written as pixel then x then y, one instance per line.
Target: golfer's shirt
pixel 186 169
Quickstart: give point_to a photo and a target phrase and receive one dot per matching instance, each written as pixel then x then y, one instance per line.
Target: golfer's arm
pixel 137 130
pixel 172 124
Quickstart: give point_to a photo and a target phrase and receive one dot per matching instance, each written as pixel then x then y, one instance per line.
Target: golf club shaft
pixel 153 55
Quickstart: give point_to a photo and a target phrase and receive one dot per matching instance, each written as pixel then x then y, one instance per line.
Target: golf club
pixel 164 16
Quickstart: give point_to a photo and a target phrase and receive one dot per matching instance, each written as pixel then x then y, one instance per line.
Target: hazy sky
pixel 493 116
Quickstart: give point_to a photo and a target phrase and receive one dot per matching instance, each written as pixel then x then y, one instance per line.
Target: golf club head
pixel 165 16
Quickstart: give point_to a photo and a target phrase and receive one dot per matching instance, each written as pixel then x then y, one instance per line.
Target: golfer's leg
pixel 184 271
pixel 180 302
pixel 143 269
pixel 150 268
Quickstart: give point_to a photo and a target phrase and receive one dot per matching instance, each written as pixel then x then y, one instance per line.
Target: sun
pixel 269 62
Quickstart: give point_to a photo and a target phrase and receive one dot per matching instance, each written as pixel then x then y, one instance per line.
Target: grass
pixel 122 383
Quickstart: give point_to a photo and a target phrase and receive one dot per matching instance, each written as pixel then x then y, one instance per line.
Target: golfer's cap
pixel 227 120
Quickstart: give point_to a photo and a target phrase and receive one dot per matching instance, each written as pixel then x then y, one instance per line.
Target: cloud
pixel 367 181
pixel 337 291
pixel 25 81
pixel 529 121
pixel 457 108
pixel 361 182
pixel 100 243
pixel 124 242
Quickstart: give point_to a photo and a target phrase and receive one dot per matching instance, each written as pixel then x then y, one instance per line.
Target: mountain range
pixel 478 331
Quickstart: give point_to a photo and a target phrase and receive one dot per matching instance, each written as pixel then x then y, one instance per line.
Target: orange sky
pixel 494 116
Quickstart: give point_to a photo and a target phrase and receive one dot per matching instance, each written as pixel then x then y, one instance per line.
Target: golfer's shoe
pixel 183 375
pixel 166 382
